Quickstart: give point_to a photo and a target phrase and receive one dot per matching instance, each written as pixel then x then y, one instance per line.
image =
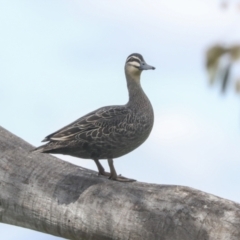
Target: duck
pixel 108 132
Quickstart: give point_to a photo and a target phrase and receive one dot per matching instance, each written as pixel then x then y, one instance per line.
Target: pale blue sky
pixel 62 59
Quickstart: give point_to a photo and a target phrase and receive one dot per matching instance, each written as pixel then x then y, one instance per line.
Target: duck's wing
pixel 93 124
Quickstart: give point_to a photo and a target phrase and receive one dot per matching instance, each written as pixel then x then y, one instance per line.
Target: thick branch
pixel 41 192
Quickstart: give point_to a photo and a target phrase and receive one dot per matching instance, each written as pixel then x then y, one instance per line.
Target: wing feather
pixel 88 126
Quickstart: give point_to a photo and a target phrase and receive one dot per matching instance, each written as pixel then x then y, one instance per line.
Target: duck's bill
pixel 145 66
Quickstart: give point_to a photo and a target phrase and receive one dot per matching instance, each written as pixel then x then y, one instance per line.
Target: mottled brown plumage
pixel 111 131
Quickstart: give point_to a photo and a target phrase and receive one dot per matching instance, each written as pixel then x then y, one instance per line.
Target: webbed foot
pixel 121 179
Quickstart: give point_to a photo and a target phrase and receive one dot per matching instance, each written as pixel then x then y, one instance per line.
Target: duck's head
pixel 135 64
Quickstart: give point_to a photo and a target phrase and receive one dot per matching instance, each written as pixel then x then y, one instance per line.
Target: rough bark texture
pixel 41 192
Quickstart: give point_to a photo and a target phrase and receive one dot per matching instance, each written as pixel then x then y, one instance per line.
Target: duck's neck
pixel 136 93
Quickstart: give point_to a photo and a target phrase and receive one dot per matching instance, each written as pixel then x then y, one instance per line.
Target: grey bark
pixel 43 193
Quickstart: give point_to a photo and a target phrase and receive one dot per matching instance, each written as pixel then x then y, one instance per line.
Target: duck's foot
pixel 114 176
pixel 101 171
pixel 120 178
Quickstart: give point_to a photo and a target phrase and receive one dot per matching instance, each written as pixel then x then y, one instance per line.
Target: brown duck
pixel 108 132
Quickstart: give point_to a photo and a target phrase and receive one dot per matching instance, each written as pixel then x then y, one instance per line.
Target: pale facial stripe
pixel 134 61
pixel 134 64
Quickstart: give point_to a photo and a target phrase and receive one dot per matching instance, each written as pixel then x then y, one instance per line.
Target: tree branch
pixel 43 193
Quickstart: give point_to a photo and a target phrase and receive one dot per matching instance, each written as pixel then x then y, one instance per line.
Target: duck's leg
pixel 101 170
pixel 113 173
